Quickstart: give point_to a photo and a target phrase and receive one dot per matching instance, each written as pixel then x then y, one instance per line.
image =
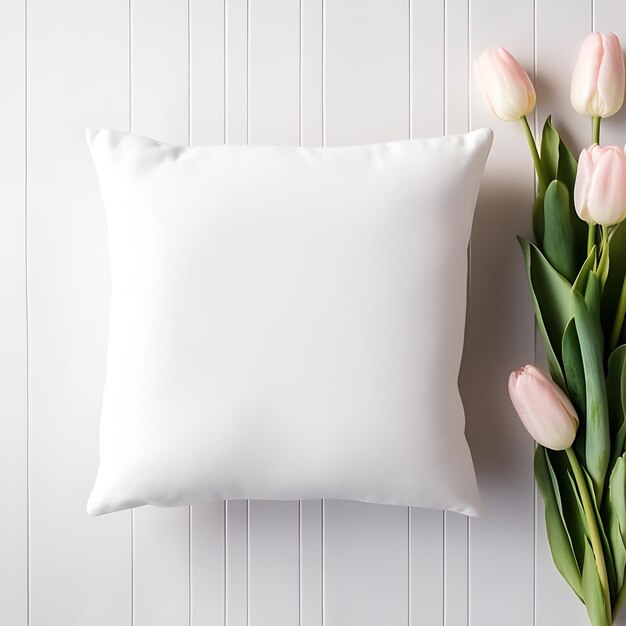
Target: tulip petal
pixel 585 76
pixel 581 186
pixel 606 193
pixel 611 77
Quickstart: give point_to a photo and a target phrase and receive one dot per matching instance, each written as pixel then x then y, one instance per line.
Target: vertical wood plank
pixel 367 71
pixel 206 21
pixel 274 594
pixel 273 117
pixel 457 63
pixel 274 72
pixel 77 77
pixel 206 71
pixel 207 564
pixel 160 108
pixel 426 529
pixel 499 338
pixel 456 570
pixel 365 564
pixel 236 71
pixel 311 53
pixel 236 608
pixel 311 563
pixel 426 552
pixel 456 120
pixel 557 43
pixel 13 339
pixel 427 68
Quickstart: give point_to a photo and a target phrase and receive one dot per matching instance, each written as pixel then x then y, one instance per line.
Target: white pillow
pixel 286 323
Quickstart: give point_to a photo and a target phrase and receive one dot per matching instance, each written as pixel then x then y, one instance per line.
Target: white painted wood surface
pixel 260 71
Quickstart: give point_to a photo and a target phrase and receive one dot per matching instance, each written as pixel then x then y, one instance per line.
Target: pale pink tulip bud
pixel 506 85
pixel 598 80
pixel 600 188
pixel 544 409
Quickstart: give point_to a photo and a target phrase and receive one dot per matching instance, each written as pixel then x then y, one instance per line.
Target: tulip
pixel 509 93
pixel 598 80
pixel 544 409
pixel 600 188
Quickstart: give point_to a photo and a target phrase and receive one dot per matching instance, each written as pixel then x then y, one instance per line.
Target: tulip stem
pixel 591 238
pixel 595 129
pixel 619 319
pixel 592 527
pixel 541 179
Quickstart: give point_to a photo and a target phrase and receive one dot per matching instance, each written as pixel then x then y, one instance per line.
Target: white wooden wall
pixel 260 71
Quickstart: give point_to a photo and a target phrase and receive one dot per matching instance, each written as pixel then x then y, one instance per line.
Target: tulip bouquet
pixel 576 270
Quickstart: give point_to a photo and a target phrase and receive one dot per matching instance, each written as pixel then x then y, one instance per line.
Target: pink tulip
pixel 600 188
pixel 598 80
pixel 506 85
pixel 544 409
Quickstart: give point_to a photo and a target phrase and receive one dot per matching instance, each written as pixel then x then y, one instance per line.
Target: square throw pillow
pixel 286 323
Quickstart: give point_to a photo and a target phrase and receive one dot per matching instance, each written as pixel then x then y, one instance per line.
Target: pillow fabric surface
pixel 286 323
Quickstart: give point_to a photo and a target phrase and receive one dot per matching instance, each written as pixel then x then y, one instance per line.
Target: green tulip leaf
pixel 592 297
pixel 558 240
pixel 538 220
pixel 606 548
pixel 566 173
pixel 615 278
pixel 597 444
pixel 559 163
pixel 616 394
pixel 574 371
pixel 569 502
pixel 580 284
pixel 616 542
pixel 551 295
pixel 592 590
pixel 617 493
pixel 616 513
pixel 556 529
pixel 550 150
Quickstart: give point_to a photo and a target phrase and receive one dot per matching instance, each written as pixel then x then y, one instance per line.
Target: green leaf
pixel 606 548
pixel 566 172
pixel 597 444
pixel 559 164
pixel 617 493
pixel 592 297
pixel 615 277
pixel 616 541
pixel 574 371
pixel 592 590
pixel 558 240
pixel 550 150
pixel 551 295
pixel 558 536
pixel 616 513
pixel 569 502
pixel 580 284
pixel 538 220
pixel 616 395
